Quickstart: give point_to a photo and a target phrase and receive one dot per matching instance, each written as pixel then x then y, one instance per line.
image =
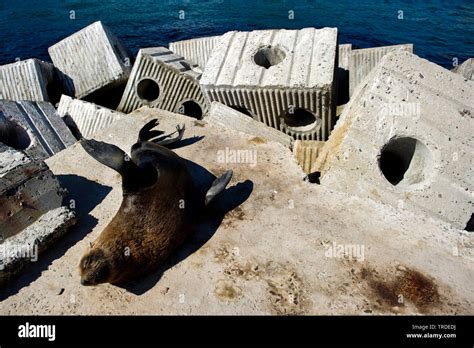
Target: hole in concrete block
pixel 405 161
pixel 300 120
pixel 191 108
pixel 268 56
pixel 13 135
pixel 148 90
pixel 241 109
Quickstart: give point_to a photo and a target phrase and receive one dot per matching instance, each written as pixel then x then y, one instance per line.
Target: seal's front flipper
pixel 218 186
pixel 107 154
pixel 133 176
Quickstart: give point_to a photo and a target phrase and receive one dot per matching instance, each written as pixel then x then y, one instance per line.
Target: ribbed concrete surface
pixel 91 59
pixel 174 77
pixel 26 80
pixel 405 139
pixel 344 54
pixel 362 61
pixel 47 132
pixel 269 106
pixel 225 116
pixel 298 74
pixel 88 117
pixel 306 153
pixel 195 50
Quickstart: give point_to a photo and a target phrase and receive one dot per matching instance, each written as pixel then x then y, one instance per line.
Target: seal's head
pixel 95 267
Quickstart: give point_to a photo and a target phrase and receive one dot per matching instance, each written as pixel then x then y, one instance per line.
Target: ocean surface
pixel 441 30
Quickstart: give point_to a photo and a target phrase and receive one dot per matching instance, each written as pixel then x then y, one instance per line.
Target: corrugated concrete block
pixel 195 50
pixel 30 79
pixel 306 153
pixel 344 54
pixel 38 129
pixel 362 61
pixel 164 80
pixel 466 69
pixel 283 78
pixel 405 139
pixel 89 118
pixel 90 60
pixel 230 118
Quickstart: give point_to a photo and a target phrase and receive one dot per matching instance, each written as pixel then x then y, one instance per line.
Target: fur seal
pixel 159 209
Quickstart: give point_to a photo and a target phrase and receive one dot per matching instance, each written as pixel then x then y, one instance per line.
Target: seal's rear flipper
pixel 166 140
pixel 218 186
pixel 146 133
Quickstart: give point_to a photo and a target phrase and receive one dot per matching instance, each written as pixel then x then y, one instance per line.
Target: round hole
pixel 242 110
pixel 148 90
pixel 13 135
pixel 268 56
pixel 191 108
pixel 300 120
pixel 405 161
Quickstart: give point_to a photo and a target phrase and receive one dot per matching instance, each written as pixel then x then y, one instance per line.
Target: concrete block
pixel 19 251
pixel 164 80
pixel 91 60
pixel 283 78
pixel 306 153
pixel 466 69
pixel 362 61
pixel 344 54
pixel 28 189
pixel 230 118
pixel 87 117
pixel 31 213
pixel 405 139
pixel 195 50
pixel 30 79
pixel 39 130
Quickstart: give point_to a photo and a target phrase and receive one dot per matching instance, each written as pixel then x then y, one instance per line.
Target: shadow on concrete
pixel 87 195
pixel 342 86
pixel 207 225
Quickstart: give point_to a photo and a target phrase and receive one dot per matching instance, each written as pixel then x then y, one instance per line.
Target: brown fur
pixel 148 227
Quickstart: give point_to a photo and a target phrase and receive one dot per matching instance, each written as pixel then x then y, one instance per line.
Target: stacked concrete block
pixel 405 139
pixel 362 61
pixel 87 117
pixel 466 69
pixel 37 128
pixel 306 153
pixel 91 60
pixel 164 80
pixel 195 50
pixel 31 211
pixel 30 79
pixel 344 55
pixel 283 78
pixel 230 118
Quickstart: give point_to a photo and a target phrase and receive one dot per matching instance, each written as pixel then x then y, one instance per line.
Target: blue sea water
pixel 441 30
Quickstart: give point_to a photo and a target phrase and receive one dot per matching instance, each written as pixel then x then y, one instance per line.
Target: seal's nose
pixel 84 282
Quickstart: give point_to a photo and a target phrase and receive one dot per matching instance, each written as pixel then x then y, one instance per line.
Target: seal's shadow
pixel 230 199
pixel 87 195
